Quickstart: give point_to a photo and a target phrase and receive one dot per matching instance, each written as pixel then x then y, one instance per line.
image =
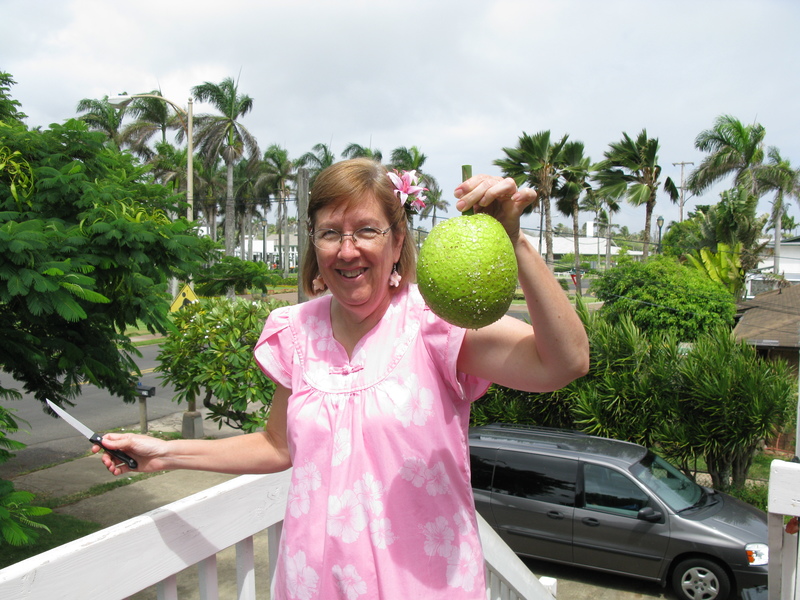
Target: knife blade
pixel 91 435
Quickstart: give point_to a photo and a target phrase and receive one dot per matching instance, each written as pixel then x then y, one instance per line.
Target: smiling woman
pixel 373 398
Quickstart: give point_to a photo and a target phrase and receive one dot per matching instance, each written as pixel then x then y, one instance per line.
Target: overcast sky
pixel 460 79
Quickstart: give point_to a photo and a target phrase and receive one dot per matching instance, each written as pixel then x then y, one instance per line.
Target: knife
pixel 91 435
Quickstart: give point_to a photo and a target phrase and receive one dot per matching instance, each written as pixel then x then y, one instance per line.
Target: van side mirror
pixel 649 515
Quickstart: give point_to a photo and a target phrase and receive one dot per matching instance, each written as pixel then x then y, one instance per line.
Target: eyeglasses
pixel 328 239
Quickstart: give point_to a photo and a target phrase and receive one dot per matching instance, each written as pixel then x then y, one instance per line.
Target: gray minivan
pixel 615 506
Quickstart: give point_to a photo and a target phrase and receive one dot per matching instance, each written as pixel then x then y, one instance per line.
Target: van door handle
pixel 590 522
pixel 554 514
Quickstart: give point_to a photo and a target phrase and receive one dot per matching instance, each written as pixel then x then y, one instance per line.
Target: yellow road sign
pixel 184 297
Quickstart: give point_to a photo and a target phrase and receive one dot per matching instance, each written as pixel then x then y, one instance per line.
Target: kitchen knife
pixel 91 435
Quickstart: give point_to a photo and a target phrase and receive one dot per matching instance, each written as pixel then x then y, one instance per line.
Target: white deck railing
pixel 784 500
pixel 150 550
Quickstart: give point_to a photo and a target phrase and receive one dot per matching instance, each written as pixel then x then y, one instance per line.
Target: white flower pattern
pixel 439 538
pixel 463 567
pixel 347 517
pixel 353 433
pixel 349 582
pixel 301 579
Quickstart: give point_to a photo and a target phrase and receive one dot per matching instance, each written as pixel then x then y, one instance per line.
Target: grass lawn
pixel 63 528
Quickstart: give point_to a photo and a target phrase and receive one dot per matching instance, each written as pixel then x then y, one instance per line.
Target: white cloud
pixel 461 79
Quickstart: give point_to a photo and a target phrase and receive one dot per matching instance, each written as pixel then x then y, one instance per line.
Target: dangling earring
pixel 318 284
pixel 395 277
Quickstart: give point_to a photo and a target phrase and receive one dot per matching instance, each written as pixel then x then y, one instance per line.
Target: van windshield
pixel 668 483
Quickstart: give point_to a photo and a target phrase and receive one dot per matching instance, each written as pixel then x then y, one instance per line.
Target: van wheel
pixel 700 579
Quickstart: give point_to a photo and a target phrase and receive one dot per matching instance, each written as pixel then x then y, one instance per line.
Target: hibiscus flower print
pixel 412 404
pixel 347 517
pixel 439 537
pixel 463 567
pixel 350 584
pixel 370 493
pixel 299 501
pixel 436 480
pixel 301 580
pixel 320 333
pixel 305 479
pixel 342 446
pixel 380 531
pixel 464 522
pixel 414 470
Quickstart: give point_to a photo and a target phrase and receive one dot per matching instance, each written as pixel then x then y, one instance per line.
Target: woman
pixel 373 397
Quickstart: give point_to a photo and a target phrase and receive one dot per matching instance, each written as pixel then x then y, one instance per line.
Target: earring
pixel 395 277
pixel 318 284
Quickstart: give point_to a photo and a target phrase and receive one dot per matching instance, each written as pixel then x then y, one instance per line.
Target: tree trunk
pixel 230 215
pixel 548 233
pixel 577 246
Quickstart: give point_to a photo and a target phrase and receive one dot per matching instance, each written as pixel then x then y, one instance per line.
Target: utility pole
pixel 682 164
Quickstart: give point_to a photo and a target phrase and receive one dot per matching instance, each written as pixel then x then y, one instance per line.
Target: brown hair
pixel 345 183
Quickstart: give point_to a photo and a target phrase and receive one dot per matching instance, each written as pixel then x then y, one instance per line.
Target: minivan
pixel 615 506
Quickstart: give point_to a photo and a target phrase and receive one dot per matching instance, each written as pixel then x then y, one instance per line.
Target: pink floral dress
pixel 380 504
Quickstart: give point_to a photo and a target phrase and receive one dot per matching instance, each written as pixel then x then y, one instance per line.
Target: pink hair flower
pixel 407 190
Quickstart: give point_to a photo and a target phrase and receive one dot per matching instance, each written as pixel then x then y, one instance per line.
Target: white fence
pixel 150 550
pixel 784 500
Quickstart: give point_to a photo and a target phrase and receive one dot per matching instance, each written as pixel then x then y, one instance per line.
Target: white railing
pixel 784 500
pixel 150 550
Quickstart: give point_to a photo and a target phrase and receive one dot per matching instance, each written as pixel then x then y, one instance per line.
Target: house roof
pixel 771 319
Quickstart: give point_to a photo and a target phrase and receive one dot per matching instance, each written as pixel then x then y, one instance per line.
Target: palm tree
pixel 574 174
pixel 733 148
pixel 537 162
pixel 358 151
pixel 210 184
pixel 99 115
pixel 223 135
pixel 433 202
pixel 152 116
pixel 631 169
pixel 603 206
pixel 778 175
pixel 277 173
pixel 317 160
pixel 413 159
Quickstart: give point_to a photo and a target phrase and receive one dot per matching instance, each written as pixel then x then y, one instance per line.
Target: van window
pixel 536 477
pixel 611 491
pixel 481 462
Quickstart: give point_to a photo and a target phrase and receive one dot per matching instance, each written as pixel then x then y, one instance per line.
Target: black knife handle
pixel 118 454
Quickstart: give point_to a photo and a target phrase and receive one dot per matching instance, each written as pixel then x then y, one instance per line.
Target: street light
pixel 660 223
pixel 123 100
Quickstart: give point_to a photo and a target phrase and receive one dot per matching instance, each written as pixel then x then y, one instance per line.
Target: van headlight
pixel 757 554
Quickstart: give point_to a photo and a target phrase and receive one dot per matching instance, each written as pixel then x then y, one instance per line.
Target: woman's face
pixel 357 274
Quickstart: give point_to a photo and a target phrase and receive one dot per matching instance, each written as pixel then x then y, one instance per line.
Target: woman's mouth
pixel 351 274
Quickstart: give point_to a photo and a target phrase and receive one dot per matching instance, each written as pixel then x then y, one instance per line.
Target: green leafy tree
pixel 17 524
pixel 778 176
pixel 729 401
pixel 276 177
pixel 211 359
pixel 231 272
pixel 358 151
pixel 315 161
pixel 88 253
pixel 538 162
pixel 733 149
pixel 663 295
pixel 724 266
pixel 9 107
pixel 631 170
pixel 574 184
pixel 224 136
pixel 152 118
pixel 99 115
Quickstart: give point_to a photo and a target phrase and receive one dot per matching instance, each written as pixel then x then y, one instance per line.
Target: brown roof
pixel 771 319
